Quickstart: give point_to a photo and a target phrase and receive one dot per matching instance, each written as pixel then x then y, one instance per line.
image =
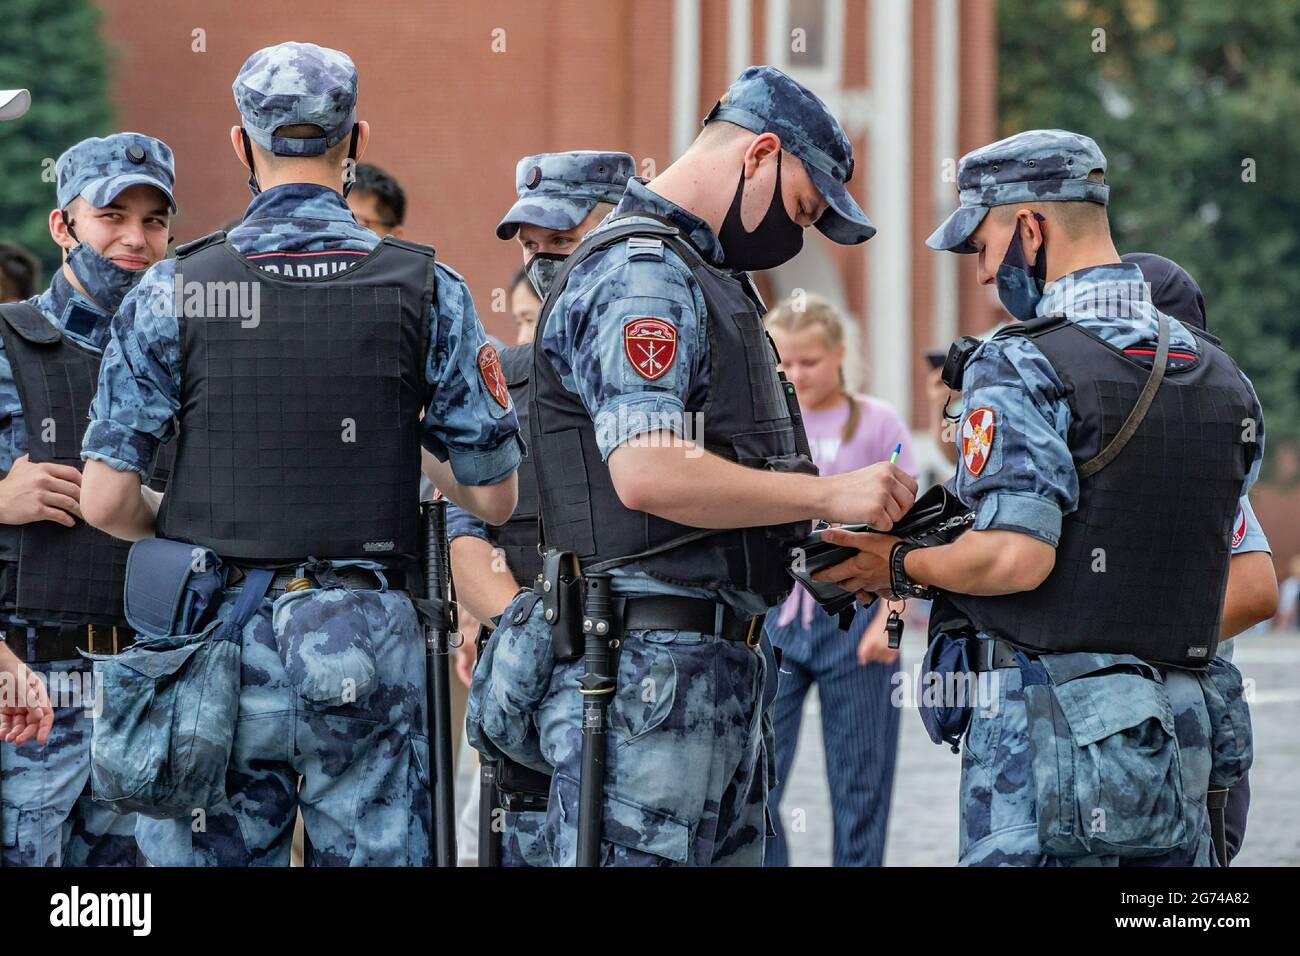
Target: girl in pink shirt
pixel 853 669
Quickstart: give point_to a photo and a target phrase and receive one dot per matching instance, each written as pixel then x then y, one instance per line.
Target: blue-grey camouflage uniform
pixel 357 770
pixel 1027 484
pixel 690 755
pixel 47 815
pixel 556 191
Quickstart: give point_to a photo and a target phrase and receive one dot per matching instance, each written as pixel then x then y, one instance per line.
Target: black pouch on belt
pixel 562 603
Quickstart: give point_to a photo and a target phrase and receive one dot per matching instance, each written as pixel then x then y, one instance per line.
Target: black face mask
pixel 775 240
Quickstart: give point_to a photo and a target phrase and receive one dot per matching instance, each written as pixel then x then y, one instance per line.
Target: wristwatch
pixel 898 580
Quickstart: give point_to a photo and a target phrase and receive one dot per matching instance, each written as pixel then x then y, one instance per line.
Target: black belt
pixel 664 612
pixel 991 653
pixel 361 579
pixel 64 643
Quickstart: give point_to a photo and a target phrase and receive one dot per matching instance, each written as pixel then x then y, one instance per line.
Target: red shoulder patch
pixel 1239 527
pixel 977 439
pixel 650 345
pixel 489 367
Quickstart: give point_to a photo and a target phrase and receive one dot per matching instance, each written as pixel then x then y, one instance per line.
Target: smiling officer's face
pixel 132 230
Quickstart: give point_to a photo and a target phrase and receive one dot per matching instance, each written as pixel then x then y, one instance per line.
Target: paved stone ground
pixel 923 822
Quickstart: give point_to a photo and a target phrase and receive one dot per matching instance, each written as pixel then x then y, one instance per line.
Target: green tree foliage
pixel 54 50
pixel 1196 104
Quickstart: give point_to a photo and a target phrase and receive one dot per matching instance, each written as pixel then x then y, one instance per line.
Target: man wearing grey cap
pixel 299 425
pixel 561 198
pixel 62 579
pixel 673 461
pixel 1103 450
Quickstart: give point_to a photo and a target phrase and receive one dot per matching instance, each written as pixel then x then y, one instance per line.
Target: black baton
pixel 597 688
pixel 437 681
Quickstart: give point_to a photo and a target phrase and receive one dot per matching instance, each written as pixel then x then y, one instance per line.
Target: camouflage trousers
pixel 687 759
pixel 46 812
pixel 523 839
pixel 1153 742
pixel 357 770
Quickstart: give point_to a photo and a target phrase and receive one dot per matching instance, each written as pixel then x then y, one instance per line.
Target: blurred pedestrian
pixel 20 273
pixel 378 201
pixel 852 670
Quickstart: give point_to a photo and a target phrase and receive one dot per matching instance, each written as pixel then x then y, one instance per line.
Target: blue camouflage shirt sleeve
pixel 644 305
pixel 463 422
pixel 139 378
pixel 1014 467
pixel 463 524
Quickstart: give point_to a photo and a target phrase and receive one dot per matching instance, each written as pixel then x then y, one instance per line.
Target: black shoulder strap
pixel 1140 407
pixel 1034 327
pixel 1202 334
pixel 29 322
pixel 419 247
pixel 201 243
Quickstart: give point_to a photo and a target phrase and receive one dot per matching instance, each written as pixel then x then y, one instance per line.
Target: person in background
pixel 852 670
pixel 525 306
pixel 20 273
pixel 1252 583
pixel 1288 605
pixel 378 201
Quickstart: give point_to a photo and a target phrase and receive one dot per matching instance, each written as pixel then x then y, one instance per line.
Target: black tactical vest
pixel 300 429
pixel 749 415
pixel 1142 562
pixel 518 536
pixel 54 574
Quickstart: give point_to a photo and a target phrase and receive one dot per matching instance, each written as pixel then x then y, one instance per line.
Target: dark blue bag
pixel 946 666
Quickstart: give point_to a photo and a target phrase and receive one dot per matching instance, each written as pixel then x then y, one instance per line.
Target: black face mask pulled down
pixel 775 240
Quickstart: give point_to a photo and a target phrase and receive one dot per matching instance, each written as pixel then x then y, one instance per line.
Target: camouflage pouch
pixel 1106 763
pixel 162 739
pixel 1231 740
pixel 324 640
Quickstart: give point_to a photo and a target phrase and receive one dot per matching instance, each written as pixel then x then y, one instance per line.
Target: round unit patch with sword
pixel 977 439
pixel 650 345
pixel 489 367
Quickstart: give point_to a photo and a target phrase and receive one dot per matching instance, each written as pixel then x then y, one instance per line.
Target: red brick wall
pixel 449 117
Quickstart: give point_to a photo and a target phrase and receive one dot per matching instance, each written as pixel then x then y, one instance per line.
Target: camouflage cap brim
pixel 100 192
pixel 546 212
pixel 843 221
pixel 954 234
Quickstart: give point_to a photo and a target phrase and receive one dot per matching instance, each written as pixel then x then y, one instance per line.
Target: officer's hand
pixel 25 710
pixel 40 491
pixel 874 647
pixel 877 495
pixel 868 570
pixel 466 658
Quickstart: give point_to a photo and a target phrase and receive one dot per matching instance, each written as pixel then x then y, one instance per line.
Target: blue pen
pixel 894 457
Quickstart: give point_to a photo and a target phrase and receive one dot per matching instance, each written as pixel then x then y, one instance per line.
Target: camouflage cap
pixel 292 84
pixel 1033 166
pixel 559 190
pixel 765 100
pixel 14 103
pixel 98 170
